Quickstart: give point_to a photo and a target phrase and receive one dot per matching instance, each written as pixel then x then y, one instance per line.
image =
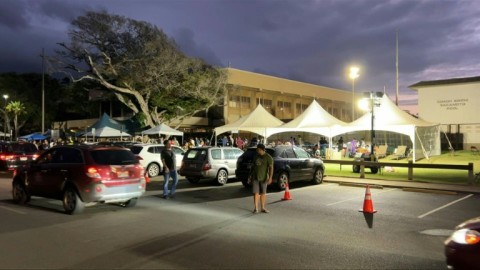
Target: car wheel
pixel 19 194
pixel 318 176
pixel 374 170
pixel 193 180
pixel 72 202
pixel 153 170
pixel 130 203
pixel 282 181
pixel 356 168
pixel 222 177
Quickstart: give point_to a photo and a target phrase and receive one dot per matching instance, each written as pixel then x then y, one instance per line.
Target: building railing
pixel 410 165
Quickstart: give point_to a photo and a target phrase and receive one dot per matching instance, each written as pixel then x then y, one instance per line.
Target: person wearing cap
pixel 260 177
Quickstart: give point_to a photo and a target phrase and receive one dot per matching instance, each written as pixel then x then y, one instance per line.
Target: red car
pixel 80 175
pixel 462 248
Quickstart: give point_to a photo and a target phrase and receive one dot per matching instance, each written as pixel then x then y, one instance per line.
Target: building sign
pixel 450 104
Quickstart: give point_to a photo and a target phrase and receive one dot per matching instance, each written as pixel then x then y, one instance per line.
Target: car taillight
pixel 6 157
pixel 34 157
pixel 207 166
pixel 139 157
pixel 92 172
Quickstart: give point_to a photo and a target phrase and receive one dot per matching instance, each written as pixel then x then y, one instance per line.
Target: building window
pixel 239 102
pixel 285 107
pixel 234 102
pixel 266 103
pixel 245 102
pixel 301 107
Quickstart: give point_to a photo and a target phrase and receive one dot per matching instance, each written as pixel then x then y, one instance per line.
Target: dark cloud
pixel 13 14
pixel 310 41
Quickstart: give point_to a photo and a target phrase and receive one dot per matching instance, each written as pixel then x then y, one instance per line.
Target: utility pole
pixel 43 90
pixel 396 66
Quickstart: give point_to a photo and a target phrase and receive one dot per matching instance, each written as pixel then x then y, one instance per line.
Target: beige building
pixel 285 99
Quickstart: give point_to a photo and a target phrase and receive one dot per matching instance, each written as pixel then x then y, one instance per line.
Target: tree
pixel 17 108
pixel 143 68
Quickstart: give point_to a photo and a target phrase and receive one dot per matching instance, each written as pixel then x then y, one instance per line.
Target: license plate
pixel 122 174
pixel 23 158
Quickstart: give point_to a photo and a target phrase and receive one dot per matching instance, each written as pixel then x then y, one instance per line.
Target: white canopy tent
pixel 314 120
pixel 425 136
pixel 107 132
pixel 163 129
pixel 258 121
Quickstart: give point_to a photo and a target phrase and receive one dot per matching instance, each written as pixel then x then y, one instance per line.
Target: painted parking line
pixel 13 210
pixel 445 206
pixel 356 198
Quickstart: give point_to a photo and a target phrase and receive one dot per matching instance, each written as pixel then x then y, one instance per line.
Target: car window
pixel 136 149
pixel 301 153
pixel 178 150
pixel 113 157
pixel 46 157
pixel 199 154
pixel 289 153
pixel 217 154
pixel 231 153
pixel 71 155
pixel 23 148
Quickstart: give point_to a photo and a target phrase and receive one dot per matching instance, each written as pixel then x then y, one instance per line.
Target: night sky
pixel 309 41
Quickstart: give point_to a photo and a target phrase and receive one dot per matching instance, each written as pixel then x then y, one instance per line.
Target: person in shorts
pixel 260 177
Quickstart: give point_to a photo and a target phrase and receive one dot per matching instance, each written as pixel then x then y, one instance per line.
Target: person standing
pixel 260 177
pixel 169 169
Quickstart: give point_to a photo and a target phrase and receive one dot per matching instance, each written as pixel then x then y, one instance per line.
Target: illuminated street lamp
pixel 353 75
pixel 5 124
pixel 368 103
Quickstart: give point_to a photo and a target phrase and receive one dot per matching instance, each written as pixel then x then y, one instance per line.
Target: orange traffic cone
pixel 287 197
pixel 367 203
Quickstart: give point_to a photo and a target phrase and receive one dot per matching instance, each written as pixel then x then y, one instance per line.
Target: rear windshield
pixel 196 154
pixel 22 148
pixel 113 157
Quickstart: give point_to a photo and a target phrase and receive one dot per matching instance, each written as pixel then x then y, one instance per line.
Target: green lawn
pixel 424 175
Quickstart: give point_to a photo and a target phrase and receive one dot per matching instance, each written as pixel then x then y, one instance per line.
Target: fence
pixel 410 165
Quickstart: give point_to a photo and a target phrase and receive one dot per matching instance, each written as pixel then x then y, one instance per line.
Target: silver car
pixel 218 163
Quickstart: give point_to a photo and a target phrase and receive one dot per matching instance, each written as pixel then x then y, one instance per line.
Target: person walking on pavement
pixel 260 177
pixel 169 170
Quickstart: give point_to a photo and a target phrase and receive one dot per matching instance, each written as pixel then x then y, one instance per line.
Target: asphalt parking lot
pixel 210 226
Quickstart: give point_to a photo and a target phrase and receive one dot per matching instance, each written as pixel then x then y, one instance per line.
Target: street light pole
pixel 5 124
pixel 353 75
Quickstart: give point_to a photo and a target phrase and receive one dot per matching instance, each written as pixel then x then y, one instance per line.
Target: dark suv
pixel 16 154
pixel 81 174
pixel 291 163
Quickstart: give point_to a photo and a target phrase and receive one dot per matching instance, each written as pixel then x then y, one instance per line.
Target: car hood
pixel 473 223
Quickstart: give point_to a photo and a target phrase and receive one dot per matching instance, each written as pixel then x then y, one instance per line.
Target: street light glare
pixel 364 104
pixel 354 73
pixel 5 96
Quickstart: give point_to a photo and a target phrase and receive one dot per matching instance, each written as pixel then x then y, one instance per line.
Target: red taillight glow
pixel 98 189
pixel 92 172
pixel 6 157
pixel 207 166
pixel 139 158
pixel 35 156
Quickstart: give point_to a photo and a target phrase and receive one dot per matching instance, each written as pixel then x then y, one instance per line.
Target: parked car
pixel 16 154
pixel 291 163
pixel 117 143
pixel 462 248
pixel 149 156
pixel 218 163
pixel 80 175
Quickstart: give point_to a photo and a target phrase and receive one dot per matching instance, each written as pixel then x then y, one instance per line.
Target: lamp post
pixel 5 124
pixel 369 102
pixel 353 75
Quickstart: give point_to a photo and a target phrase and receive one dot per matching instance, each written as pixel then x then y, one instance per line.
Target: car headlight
pixel 466 237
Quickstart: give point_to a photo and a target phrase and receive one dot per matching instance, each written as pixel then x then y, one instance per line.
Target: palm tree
pixel 17 108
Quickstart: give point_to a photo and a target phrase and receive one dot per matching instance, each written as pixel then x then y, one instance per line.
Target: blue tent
pixel 33 137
